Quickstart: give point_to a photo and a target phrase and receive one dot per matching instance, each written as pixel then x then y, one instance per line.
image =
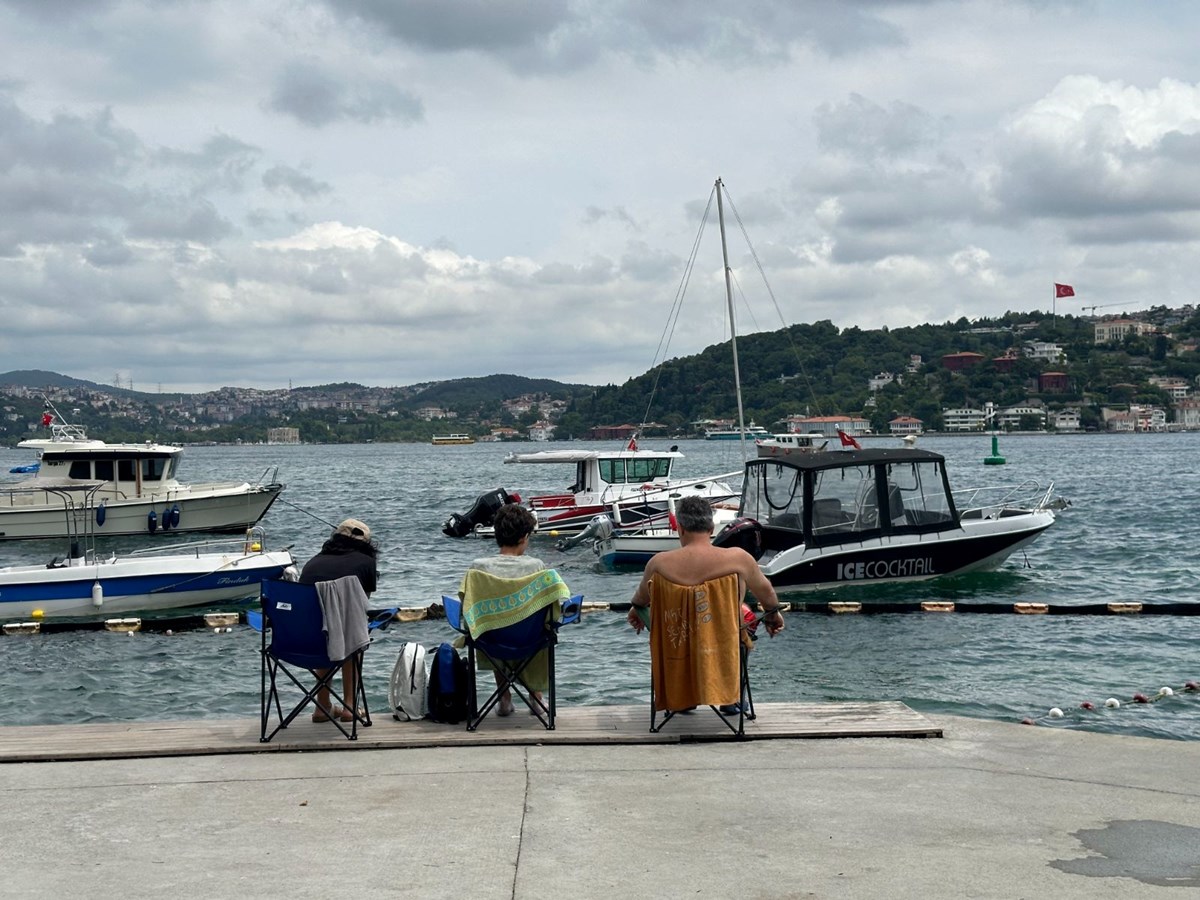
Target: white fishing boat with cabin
pixel 135 490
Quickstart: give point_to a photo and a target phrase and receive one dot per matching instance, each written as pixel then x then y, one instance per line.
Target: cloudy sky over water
pixel 265 192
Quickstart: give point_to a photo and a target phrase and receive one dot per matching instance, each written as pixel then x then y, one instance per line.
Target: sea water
pixel 1128 535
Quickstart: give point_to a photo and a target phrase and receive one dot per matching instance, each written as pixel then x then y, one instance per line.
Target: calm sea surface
pixel 1129 535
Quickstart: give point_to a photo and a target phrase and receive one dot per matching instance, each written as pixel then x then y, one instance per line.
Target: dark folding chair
pixel 291 619
pixel 730 713
pixel 511 650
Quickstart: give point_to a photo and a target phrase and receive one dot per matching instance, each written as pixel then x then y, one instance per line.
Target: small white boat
pixel 787 443
pixel 633 486
pixel 132 489
pixel 86 584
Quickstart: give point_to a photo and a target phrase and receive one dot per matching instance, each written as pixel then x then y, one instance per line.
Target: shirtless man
pixel 697 561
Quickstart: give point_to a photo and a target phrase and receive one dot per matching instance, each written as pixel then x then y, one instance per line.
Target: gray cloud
pixel 550 35
pixel 316 96
pixel 285 178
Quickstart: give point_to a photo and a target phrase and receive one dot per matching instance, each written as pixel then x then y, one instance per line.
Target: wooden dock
pixel 573 725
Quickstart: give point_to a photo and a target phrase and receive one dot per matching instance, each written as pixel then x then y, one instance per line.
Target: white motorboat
pixel 787 443
pixel 86 584
pixel 843 517
pixel 132 490
pixel 632 486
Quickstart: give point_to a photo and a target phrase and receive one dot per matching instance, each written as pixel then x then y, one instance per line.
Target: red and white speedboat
pixel 632 487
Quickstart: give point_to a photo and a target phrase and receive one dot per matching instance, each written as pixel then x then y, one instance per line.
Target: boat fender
pixel 175 516
pixel 101 514
pixel 97 594
pixel 152 522
pixel 165 521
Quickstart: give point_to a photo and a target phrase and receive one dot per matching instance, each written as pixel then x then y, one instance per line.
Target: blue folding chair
pixel 510 651
pixel 291 619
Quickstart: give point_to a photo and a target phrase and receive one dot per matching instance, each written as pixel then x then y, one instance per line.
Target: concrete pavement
pixel 990 810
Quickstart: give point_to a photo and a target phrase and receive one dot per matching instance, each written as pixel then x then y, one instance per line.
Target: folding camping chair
pixel 511 650
pixel 293 620
pixel 699 643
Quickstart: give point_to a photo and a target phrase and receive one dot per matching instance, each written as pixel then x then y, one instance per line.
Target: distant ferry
pixel 734 434
pixel 453 439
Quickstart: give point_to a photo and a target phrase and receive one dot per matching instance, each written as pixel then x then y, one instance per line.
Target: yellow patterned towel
pixel 694 641
pixel 491 602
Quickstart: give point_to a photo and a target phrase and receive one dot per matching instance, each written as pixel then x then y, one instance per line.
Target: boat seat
pixel 827 515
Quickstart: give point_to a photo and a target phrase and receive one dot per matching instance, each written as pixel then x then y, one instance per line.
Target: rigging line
pixel 281 499
pixel 664 341
pixel 786 327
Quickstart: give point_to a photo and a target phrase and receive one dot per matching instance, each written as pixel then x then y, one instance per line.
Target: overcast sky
pixel 265 192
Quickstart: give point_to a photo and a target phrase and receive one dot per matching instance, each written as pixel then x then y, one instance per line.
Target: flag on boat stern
pixel 1063 290
pixel 848 441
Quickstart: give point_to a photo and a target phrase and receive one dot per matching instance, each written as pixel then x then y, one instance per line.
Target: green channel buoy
pixel 995 459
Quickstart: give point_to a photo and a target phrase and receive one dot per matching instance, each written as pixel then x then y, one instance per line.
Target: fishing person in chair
pixel 697 592
pixel 696 560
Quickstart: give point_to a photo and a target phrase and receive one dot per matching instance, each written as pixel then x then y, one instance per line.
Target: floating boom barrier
pixel 226 620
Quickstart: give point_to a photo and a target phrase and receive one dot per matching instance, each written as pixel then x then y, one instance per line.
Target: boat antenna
pixel 719 187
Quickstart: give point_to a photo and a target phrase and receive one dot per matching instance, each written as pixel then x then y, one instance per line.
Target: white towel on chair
pixel 344 610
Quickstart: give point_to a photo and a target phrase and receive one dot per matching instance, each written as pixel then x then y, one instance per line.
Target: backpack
pixel 407 690
pixel 448 686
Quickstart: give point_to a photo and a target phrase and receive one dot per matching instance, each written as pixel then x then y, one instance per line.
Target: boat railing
pixel 653 490
pixel 1028 495
pixel 253 541
pixel 270 476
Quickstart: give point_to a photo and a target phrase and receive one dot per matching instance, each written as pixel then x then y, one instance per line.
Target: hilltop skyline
pixel 312 191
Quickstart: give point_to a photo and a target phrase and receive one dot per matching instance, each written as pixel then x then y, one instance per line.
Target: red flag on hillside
pixel 1063 290
pixel 848 441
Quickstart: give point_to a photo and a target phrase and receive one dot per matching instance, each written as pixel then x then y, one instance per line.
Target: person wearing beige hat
pixel 348 551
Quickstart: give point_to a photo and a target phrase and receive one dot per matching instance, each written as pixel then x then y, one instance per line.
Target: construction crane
pixel 1104 306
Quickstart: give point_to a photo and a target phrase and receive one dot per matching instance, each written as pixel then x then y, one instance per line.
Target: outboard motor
pixel 482 513
pixel 598 529
pixel 745 533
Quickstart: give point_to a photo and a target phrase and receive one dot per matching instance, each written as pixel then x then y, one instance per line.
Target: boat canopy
pixel 846 496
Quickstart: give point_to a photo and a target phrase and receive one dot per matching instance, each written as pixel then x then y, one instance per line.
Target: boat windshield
pixel 917 495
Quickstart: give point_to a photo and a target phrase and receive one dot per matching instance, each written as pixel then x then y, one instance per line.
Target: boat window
pixel 844 501
pixel 921 490
pixel 172 466
pixel 612 471
pixel 773 495
pixel 648 469
pixel 125 469
pixel 81 469
pixel 152 468
pixel 104 469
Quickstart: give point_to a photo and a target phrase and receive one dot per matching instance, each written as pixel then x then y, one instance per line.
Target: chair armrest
pixel 382 619
pixel 572 610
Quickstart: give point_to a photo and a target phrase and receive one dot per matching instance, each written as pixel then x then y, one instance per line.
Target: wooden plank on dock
pixel 573 725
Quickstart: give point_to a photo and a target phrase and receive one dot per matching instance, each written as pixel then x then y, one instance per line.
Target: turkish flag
pixel 633 443
pixel 848 441
pixel 1063 290
pixel 47 418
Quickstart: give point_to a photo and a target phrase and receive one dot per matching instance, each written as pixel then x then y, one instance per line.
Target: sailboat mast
pixel 737 374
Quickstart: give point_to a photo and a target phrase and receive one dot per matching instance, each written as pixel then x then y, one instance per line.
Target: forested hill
pixel 818 369
pixel 490 390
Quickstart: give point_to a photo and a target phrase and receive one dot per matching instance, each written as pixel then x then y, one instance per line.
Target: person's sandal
pixel 319 715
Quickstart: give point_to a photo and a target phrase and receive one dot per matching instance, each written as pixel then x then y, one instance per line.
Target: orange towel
pixel 694 640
